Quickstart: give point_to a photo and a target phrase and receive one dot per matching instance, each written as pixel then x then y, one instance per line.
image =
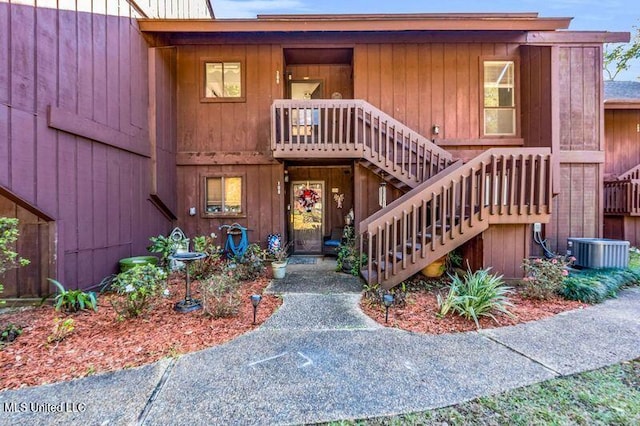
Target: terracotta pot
pixel 435 269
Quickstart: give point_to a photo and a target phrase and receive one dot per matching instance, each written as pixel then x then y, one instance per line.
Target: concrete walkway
pixel 320 359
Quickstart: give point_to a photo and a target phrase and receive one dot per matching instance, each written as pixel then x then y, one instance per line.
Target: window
pixel 224 195
pixel 499 98
pixel 223 81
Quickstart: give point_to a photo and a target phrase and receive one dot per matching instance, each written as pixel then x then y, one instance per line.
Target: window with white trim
pixel 499 98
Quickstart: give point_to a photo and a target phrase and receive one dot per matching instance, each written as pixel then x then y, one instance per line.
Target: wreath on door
pixel 307 198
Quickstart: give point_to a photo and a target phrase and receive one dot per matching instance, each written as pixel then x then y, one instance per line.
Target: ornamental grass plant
pixel 474 295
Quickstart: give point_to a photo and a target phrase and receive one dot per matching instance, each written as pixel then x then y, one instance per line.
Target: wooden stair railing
pixel 622 197
pixel 499 186
pixel 355 129
pixel 633 173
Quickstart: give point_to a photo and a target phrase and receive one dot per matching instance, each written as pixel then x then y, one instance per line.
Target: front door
pixel 307 216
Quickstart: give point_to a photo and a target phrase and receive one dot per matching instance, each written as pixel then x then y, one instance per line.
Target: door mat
pixel 302 260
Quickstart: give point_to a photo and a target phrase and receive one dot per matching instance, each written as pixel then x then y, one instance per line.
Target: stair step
pixel 370 279
pixel 417 247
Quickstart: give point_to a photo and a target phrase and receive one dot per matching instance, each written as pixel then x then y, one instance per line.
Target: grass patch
pixel 608 396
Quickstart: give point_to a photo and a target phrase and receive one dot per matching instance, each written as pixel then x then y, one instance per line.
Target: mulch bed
pixel 419 314
pixel 101 343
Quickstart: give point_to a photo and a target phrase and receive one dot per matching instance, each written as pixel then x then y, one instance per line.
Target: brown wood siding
pixel 426 84
pixel 580 97
pixel 625 228
pixel 264 206
pixel 228 126
pixel 622 140
pixel 506 262
pixel 366 185
pixel 163 123
pixel 90 63
pixel 35 243
pixel 535 90
pixel 333 177
pixel 576 210
pixel 335 78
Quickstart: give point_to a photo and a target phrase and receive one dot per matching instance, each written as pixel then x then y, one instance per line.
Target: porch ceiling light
pixel 255 301
pixel 387 300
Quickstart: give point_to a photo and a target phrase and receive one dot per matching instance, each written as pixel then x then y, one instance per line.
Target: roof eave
pixel 356 23
pixel 623 103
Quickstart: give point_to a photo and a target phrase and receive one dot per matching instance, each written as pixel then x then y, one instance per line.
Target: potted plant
pixel 280 255
pixel 349 260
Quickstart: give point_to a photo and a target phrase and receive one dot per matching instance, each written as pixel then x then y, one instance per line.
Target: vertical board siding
pixel 622 140
pixel 34 245
pixel 89 59
pixel 227 126
pixel 163 118
pixel 443 78
pixel 178 9
pixel 264 206
pixel 506 262
pixel 366 185
pixel 576 210
pixel 535 83
pixel 580 99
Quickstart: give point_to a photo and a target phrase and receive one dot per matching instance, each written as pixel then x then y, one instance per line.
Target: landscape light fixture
pixel 255 301
pixel 387 300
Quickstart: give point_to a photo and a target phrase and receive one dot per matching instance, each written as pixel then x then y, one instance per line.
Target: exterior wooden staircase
pixel 447 202
pixel 622 194
pixel 355 129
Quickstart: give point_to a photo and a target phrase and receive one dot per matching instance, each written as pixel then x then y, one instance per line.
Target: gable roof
pixel 621 94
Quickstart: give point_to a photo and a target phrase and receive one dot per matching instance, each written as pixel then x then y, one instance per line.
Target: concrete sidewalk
pixel 320 359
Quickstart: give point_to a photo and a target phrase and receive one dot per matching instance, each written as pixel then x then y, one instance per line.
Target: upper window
pixel 224 195
pixel 499 98
pixel 223 81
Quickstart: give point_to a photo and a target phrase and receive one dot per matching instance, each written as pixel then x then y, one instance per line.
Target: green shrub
pixel 137 290
pixel 212 263
pixel 62 328
pixel 250 265
pixel 221 295
pixel 10 332
pixel 73 300
pixel 474 295
pixel 594 286
pixel 544 277
pixel 9 258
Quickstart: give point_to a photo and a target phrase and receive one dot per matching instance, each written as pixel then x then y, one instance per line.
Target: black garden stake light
pixel 255 301
pixel 387 300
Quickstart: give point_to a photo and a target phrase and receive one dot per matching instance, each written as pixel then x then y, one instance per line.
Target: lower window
pixel 223 195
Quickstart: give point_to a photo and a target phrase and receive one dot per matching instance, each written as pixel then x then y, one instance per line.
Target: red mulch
pixel 102 343
pixel 419 314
